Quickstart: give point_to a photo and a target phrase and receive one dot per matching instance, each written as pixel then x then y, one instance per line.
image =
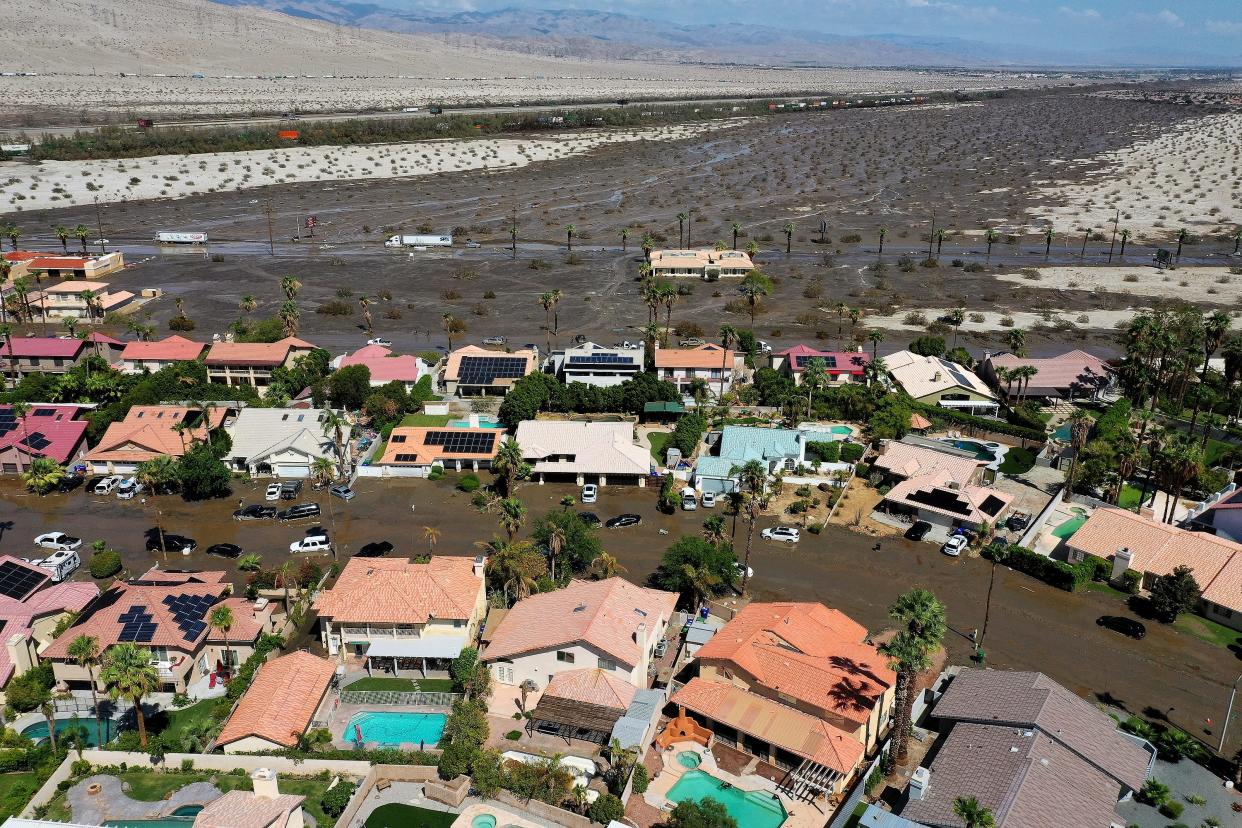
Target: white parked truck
pixel 170 237
pixel 419 241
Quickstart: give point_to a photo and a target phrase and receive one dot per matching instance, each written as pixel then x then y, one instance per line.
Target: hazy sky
pixel 1183 26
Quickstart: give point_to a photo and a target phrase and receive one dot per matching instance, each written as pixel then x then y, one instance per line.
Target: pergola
pixel 433 647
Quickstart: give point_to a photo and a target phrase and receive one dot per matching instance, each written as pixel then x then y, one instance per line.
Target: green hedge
pixel 940 414
pixel 1056 573
pixel 829 452
pixel 852 452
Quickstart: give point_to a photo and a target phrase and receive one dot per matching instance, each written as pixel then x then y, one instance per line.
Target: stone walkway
pixel 113 803
pixel 1185 778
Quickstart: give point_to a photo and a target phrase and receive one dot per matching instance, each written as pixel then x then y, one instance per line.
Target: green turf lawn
pixel 852 822
pixel 1216 449
pixel 1017 461
pixel 403 685
pixel 1129 498
pixel 426 420
pixel 8 783
pixel 659 440
pixel 400 815
pixel 182 719
pixel 1206 630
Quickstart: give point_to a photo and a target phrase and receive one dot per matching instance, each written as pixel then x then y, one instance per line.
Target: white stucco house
pixel 282 442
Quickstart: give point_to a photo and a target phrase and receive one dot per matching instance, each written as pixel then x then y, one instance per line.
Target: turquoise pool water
pixel 1069 527
pixel 179 818
pixel 483 821
pixel 395 728
pixel 484 422
pixel 90 733
pixel 1062 433
pixel 751 810
pixel 689 759
pixel 842 430
pixel 981 451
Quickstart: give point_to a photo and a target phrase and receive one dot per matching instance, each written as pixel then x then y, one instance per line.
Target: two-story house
pixel 715 365
pixel 26 262
pixel 839 367
pixel 69 300
pixel 410 616
pixel 54 431
pixel 20 356
pixel 139 356
pixel 473 371
pixel 150 431
pixel 251 363
pixel 596 365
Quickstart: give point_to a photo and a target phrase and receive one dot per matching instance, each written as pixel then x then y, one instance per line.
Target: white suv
pixel 590 493
pixel 785 534
pixel 106 485
pixel 311 543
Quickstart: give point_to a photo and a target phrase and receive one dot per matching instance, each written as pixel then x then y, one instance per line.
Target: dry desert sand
pixel 68 183
pixel 1210 284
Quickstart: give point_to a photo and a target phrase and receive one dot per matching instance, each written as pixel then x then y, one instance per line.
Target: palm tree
pixel 752 248
pixel 1080 427
pixel 728 335
pixel 83 233
pixel 84 650
pixel 14 233
pixel 1181 239
pixel 813 377
pixel 49 714
pixel 556 544
pixel 323 469
pixel 1048 235
pixel 625 238
pixel 250 562
pixel 1182 459
pixel 62 233
pixel 221 618
pixel 754 287
pixel 128 671
pixel 1015 341
pixel 606 566
pixel 508 463
pixel 20 410
pixel 789 231
pixel 701 583
pixel 516 566
pixel 969 811
pixel 157 474
pixel 876 336
pixel 956 317
pixel 526 688
pixel 681 228
pixel 883 233
pixel 736 227
pixel 668 297
pixel 366 316
pixel 452 325
pixel 512 516
pixel 432 535
pixel 752 482
pixel 714 530
pixel 569 236
pixel 1125 237
pixel 1215 329
pixel 546 300
pixel 336 425
pixel 42 474
pixel 922 626
pixel 289 316
pixel 290 285
pixel 990 236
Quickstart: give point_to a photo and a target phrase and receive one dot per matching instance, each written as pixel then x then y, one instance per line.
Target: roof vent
pixel 1013 750
pixel 641 612
pixel 1043 762
pixel 580 608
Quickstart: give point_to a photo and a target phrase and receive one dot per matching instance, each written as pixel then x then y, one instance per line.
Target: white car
pixel 750 572
pixel 311 543
pixel 273 492
pixel 709 500
pixel 128 488
pixel 59 565
pixel 58 541
pixel 784 534
pixel 106 485
pixel 955 545
pixel 590 493
pixel 764 346
pixel 381 341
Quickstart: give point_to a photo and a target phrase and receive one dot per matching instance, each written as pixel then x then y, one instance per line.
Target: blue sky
pixel 1212 28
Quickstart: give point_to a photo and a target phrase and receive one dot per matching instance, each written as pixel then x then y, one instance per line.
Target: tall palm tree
pixel 6 330
pixel 814 375
pixel 14 233
pixel 876 336
pixel 432 535
pixel 728 335
pixel 1215 329
pixel 754 287
pixel 84 650
pixel 921 628
pixel 606 566
pixel 20 410
pixel 289 317
pixel 517 567
pixel 1004 375
pixel 221 618
pixel 546 301
pixel 83 233
pixel 736 227
pixel 290 285
pixel 62 233
pixel 48 709
pixel 789 231
pixel 668 297
pixel 128 671
pixel 1079 427
pixel 512 516
pixel 956 317
pixel 569 236
pixel 1125 237
pixel 337 426
pixel 882 234
pixel 990 236
pixel 681 228
pixel 1182 460
pixel 969 811
pixel 508 463
pixel 625 238
pixel 556 544
pixel 752 481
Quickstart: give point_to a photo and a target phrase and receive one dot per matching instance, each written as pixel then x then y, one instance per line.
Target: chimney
pixel 480 563
pixel 19 654
pixel 1121 562
pixel 640 637
pixel 920 781
pixel 936 377
pixel 265 785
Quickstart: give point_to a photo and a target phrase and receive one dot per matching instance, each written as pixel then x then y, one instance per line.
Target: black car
pixel 378 549
pixel 68 484
pixel 589 518
pixel 918 531
pixel 624 520
pixel 92 482
pixel 290 489
pixel 255 512
pixel 1123 625
pixel 300 511
pixel 225 550
pixel 172 543
pixel 1018 521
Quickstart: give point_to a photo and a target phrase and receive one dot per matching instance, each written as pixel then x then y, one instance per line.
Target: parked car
pixel 590 493
pixel 955 545
pixel 709 500
pixel 785 534
pixel 106 485
pixel 290 489
pixel 93 482
pixel 918 530
pixel 377 549
pixel 224 550
pixel 68 484
pixel 172 543
pixel 743 569
pixel 381 341
pixel 472 243
pixel 1123 625
pixel 1018 521
pixel 589 518
pixel 273 492
pixel 58 541
pixel 129 488
pixel 690 342
pixel 621 521
pixel 689 499
pixel 299 512
pixel 311 543
pixel 495 340
pixel 342 491
pixel 764 346
pixel 255 512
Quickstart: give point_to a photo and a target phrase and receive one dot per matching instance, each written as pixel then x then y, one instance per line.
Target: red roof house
pixel 46 431
pixel 840 366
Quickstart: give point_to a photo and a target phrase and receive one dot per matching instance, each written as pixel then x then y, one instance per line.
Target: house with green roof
pixel 778 449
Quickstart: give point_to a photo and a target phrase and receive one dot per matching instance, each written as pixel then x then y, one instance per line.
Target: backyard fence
pixel 396 697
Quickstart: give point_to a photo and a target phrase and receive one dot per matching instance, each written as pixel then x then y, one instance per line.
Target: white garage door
pixel 293 471
pixel 124 468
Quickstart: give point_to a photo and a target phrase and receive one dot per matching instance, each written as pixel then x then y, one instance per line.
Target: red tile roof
pixel 592 686
pixel 57 425
pixel 808 651
pixel 50 261
pixel 281 700
pixel 385 366
pixel 708 355
pixel 25 347
pixel 147 431
pixel 838 362
pixel 396 591
pixel 255 353
pixel 173 348
pixel 1071 369
pixel 17 617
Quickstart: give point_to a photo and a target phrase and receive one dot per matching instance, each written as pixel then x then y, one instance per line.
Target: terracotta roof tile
pixel 906 460
pixel 592 686
pixel 385 366
pixel 708 355
pixel 243 809
pixel 281 701
pixel 254 353
pixel 411 441
pixel 394 590
pixel 146 432
pixel 1077 369
pixel 58 425
pixel 176 348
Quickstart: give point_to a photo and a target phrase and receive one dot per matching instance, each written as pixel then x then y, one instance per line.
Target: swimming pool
pixel 1062 433
pixel 689 759
pixel 754 809
pixel 1067 528
pixel 982 451
pixel 484 422
pixel 396 728
pixel 65 729
pixel 179 818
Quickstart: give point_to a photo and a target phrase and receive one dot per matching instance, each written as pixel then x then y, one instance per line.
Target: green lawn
pixel 1206 630
pixel 426 420
pixel 1129 498
pixel 15 791
pixel 313 790
pixel 403 685
pixel 659 439
pixel 1216 449
pixel 1017 461
pixel 852 822
pixel 179 720
pixel 400 815
pixel 1105 587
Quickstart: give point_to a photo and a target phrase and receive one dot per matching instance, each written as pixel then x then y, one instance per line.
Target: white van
pixel 61 564
pixel 689 499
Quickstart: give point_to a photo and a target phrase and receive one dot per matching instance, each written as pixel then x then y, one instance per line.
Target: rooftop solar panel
pixel 461 442
pixel 37 441
pixel 43 412
pixel 17 581
pixel 486 370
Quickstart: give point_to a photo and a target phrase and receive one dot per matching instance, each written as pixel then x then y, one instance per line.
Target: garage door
pixel 124 468
pixel 292 471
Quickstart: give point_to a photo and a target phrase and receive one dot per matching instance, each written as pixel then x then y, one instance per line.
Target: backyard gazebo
pixel 418 654
pixel 582 704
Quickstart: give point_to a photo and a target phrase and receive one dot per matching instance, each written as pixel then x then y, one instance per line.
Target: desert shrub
pixel 181 323
pixel 1171 809
pixel 468 483
pixel 513 735
pixel 105 564
pixel 851 238
pixel 975 267
pixel 335 308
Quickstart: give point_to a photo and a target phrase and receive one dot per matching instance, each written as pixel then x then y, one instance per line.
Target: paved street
pixel 1032 626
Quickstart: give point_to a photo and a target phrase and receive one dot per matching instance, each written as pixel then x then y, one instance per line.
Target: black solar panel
pixel 188 612
pixel 942 499
pixel 601 359
pixel 17 581
pixel 461 442
pixel 43 412
pixel 485 370
pixel 803 360
pixel 37 441
pixel 407 458
pixel 7 421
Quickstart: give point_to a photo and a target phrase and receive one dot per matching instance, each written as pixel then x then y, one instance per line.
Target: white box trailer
pixel 170 237
pixel 419 241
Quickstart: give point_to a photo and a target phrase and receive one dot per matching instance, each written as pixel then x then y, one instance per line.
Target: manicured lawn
pixel 426 420
pixel 1103 586
pixel 1216 449
pixel 153 786
pixel 1017 461
pixel 399 815
pixel 1206 630
pixel 435 685
pixel 659 439
pixel 182 719
pixel 313 790
pixel 403 685
pixel 20 787
pixel 1129 498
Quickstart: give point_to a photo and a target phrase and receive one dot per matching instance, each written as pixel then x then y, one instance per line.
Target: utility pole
pixel 99 224
pixel 1224 726
pixel 1116 220
pixel 689 221
pixel 931 237
pixel 271 242
pixel 513 233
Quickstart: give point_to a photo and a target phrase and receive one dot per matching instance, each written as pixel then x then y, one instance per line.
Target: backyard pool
pixel 991 453
pixel 65 729
pixel 179 818
pixel 396 728
pixel 689 759
pixel 1062 433
pixel 755 809
pixel 1067 528
pixel 484 422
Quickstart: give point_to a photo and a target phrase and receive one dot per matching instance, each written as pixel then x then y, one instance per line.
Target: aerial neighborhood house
pixel 716 366
pixel 251 363
pixel 20 356
pixel 583 704
pixel 584 452
pixel 940 498
pixel 797 686
pixel 1028 750
pixel 473 371
pixel 150 431
pixel 596 365
pixel 611 626
pixel 900 460
pixel 139 356
pixel 1073 375
pixel 389 612
pixel 284 442
pixel 1132 541
pixel 938 381
pixel 1219 515
pixel 282 701
pixel 65 300
pixel 840 367
pixel 167 612
pixel 706 264
pixel 385 366
pixel 26 262
pixel 776 449
pixel 264 807
pixel 46 431
pixel 415 450
pixel 30 608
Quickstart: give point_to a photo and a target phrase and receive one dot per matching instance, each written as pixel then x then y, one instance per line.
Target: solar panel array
pixel 37 441
pixel 802 360
pixel 478 370
pixel 139 624
pixel 43 412
pixel 601 358
pixel 462 442
pixel 8 422
pixel 188 612
pixel 17 581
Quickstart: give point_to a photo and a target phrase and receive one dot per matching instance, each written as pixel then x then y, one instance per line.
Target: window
pixel 607 664
pixel 458 623
pixel 564 657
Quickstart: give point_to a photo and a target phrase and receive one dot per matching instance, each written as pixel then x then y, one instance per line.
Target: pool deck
pixel 1047 543
pixel 801 814
pixel 343 713
pixel 113 803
